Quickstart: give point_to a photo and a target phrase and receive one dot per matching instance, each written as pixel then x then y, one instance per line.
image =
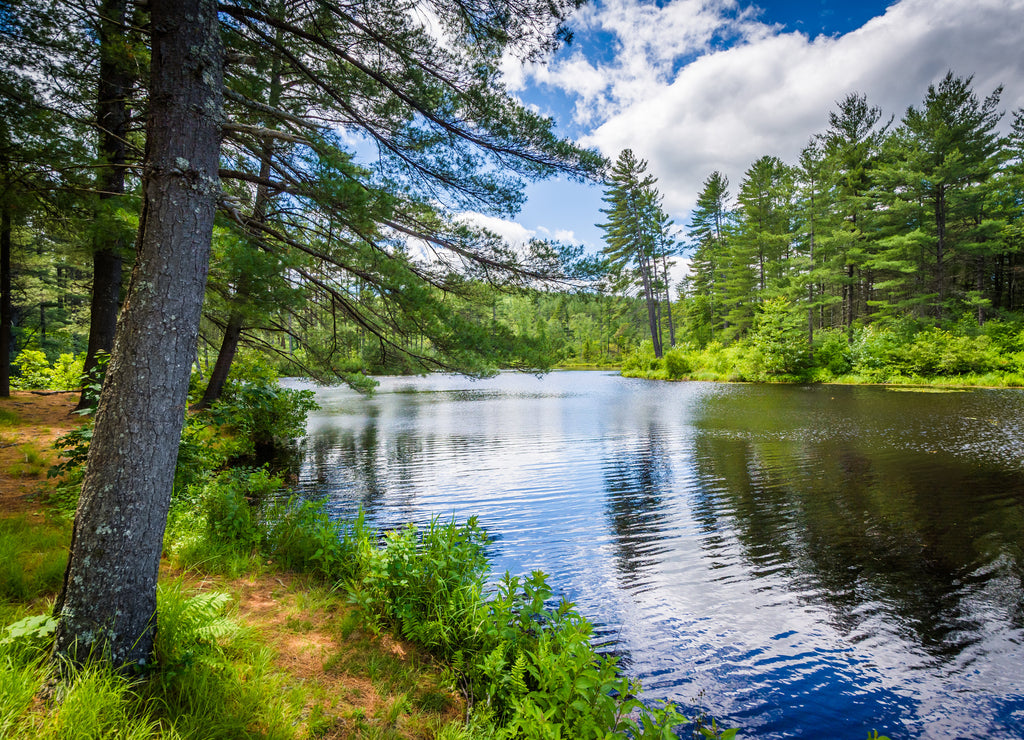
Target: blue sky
pixel 694 86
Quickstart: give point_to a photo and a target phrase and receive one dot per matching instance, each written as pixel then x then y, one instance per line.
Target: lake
pixel 800 561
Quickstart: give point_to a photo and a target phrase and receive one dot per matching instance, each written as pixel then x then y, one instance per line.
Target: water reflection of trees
pixel 358 466
pixel 637 475
pixel 847 522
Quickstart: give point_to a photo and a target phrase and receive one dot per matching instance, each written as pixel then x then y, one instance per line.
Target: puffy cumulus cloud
pixel 512 232
pixel 640 45
pixel 515 233
pixel 768 93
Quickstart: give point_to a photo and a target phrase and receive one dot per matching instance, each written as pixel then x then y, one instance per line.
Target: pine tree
pixel 851 145
pixel 952 150
pixel 635 235
pixel 710 224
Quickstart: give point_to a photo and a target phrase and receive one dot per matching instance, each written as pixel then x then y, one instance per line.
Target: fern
pixel 517 681
pixel 192 628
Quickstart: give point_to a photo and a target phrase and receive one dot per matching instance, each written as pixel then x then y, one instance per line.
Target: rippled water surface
pixel 800 561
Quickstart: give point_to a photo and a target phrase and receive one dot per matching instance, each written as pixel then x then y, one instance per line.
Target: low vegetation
pixel 901 353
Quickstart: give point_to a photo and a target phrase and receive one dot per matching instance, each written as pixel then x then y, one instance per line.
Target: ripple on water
pixel 814 562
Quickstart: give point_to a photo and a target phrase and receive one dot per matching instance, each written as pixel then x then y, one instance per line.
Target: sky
pixel 694 86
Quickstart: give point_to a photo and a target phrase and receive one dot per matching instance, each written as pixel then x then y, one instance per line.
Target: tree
pixel 37 147
pixel 107 605
pixel 117 75
pixel 812 218
pixel 949 149
pixel 763 228
pixel 852 145
pixel 449 138
pixel 709 227
pixel 450 135
pixel 635 234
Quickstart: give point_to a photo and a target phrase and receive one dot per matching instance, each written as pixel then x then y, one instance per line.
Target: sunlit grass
pixel 9 418
pixel 33 556
pixel 33 462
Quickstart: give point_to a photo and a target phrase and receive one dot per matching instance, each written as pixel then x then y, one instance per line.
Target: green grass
pixel 33 462
pixel 33 556
pixel 9 418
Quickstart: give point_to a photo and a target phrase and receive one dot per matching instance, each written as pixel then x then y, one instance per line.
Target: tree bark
pixel 225 357
pixel 112 120
pixel 6 305
pixel 107 606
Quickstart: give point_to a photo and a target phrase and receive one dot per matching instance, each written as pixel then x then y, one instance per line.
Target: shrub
pixel 524 657
pixel 641 362
pixel 832 352
pixel 33 370
pixel 678 363
pixel 302 536
pixel 67 372
pixel 263 416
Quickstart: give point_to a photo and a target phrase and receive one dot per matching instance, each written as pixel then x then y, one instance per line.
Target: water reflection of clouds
pixel 787 550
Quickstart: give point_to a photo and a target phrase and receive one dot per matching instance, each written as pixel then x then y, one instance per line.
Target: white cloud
pixel 512 232
pixel 770 91
pixel 647 43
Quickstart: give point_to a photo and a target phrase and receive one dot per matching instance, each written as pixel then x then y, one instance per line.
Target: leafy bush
pixel 778 344
pixel 678 363
pixel 302 536
pixel 34 371
pixel 832 352
pixel 263 416
pixel 67 372
pixel 641 362
pixel 528 661
pixel 229 503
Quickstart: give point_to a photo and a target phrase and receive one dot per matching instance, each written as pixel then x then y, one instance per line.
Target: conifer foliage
pixel 638 241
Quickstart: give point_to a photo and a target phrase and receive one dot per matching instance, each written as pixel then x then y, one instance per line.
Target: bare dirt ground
pixel 41 419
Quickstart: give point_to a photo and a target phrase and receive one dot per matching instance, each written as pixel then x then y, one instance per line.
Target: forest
pixel 889 251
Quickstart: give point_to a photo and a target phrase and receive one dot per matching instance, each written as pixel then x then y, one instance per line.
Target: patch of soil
pixel 304 641
pixel 42 418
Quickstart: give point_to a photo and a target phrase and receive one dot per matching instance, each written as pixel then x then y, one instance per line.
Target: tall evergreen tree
pixel 949 150
pixel 710 224
pixel 451 137
pixel 117 77
pixel 813 219
pixel 107 605
pixel 635 234
pixel 852 144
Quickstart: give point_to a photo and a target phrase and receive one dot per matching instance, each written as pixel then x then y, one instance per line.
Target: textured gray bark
pixel 107 606
pixel 6 308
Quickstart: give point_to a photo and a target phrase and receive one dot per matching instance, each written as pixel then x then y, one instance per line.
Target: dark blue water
pixel 799 561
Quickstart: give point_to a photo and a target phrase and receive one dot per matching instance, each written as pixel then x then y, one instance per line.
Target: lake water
pixel 799 561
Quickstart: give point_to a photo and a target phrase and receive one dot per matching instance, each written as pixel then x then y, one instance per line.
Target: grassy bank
pixel 277 622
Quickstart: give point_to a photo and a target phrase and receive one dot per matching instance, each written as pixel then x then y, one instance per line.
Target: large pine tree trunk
pixel 107 607
pixel 6 306
pixel 112 119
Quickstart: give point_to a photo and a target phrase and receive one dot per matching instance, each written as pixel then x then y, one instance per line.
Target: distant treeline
pixel 878 222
